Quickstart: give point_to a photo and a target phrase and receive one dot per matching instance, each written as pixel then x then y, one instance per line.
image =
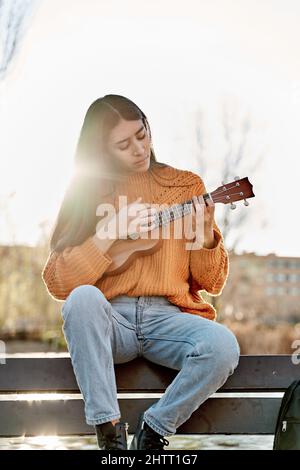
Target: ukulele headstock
pixel 237 190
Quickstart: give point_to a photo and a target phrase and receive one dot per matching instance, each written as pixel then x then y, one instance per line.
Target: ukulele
pixel 124 251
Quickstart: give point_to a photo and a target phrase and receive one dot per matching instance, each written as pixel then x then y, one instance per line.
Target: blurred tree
pixel 236 133
pixel 14 16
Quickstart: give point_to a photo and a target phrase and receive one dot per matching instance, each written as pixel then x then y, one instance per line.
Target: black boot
pixel 112 437
pixel 146 438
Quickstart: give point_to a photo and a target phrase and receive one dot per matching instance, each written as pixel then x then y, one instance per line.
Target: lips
pixel 140 161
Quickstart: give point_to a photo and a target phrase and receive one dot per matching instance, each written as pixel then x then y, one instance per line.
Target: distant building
pixel 265 286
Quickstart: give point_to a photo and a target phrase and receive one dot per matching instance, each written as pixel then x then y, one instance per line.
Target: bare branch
pixel 234 156
pixel 13 18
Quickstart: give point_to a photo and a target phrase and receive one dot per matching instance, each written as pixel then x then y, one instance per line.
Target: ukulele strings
pixel 217 197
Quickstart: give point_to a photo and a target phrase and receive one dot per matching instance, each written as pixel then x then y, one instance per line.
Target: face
pixel 129 145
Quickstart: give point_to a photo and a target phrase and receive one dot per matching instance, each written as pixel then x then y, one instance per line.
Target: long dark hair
pixel 95 174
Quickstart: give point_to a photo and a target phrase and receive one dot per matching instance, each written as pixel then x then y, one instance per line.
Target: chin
pixel 143 167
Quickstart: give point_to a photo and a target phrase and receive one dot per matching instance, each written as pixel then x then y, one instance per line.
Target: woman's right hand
pixel 134 219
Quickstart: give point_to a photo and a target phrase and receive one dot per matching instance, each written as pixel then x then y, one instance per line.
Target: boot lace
pixel 155 441
pixel 111 441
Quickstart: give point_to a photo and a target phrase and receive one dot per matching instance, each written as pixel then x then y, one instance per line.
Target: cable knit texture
pixel 173 271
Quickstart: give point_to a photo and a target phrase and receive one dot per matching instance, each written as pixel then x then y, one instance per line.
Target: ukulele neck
pixel 177 211
pixel 228 193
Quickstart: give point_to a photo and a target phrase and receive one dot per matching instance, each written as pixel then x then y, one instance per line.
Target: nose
pixel 139 149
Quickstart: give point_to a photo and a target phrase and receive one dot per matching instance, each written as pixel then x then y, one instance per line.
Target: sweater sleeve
pixel 74 266
pixel 209 267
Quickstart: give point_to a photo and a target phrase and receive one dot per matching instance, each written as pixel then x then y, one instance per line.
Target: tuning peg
pixel 134 236
pixel 236 178
pixel 246 203
pixel 232 206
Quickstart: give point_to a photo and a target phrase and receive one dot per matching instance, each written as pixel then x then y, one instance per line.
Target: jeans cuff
pixel 93 422
pixel 157 427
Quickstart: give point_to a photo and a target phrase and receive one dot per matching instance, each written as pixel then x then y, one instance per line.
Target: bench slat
pixel 254 373
pixel 216 415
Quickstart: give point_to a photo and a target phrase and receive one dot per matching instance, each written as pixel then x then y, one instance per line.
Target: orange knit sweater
pixel 173 271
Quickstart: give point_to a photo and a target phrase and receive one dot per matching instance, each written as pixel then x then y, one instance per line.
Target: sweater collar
pixel 168 175
pixel 163 174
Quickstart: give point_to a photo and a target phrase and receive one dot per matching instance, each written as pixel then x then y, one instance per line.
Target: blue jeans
pixel 100 333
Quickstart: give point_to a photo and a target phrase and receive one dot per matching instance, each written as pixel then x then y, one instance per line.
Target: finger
pixel 210 202
pixel 195 201
pixel 143 209
pixel 143 204
pixel 198 203
pixel 147 220
pixel 148 211
pixel 146 228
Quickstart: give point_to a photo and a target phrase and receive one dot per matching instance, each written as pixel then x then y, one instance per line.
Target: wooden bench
pixel 242 406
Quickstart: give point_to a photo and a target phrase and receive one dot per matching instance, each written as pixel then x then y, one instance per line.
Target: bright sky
pixel 175 59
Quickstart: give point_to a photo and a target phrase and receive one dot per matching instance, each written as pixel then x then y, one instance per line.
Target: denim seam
pixel 151 422
pixel 121 323
pixel 170 338
pixel 141 346
pixel 102 420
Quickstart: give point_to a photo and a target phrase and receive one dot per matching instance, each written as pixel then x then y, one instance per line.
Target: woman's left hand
pixel 208 214
pixel 209 210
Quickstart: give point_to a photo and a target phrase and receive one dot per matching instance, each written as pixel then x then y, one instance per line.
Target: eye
pixel 139 138
pixel 124 148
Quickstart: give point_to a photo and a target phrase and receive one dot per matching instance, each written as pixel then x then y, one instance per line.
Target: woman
pixel 152 309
